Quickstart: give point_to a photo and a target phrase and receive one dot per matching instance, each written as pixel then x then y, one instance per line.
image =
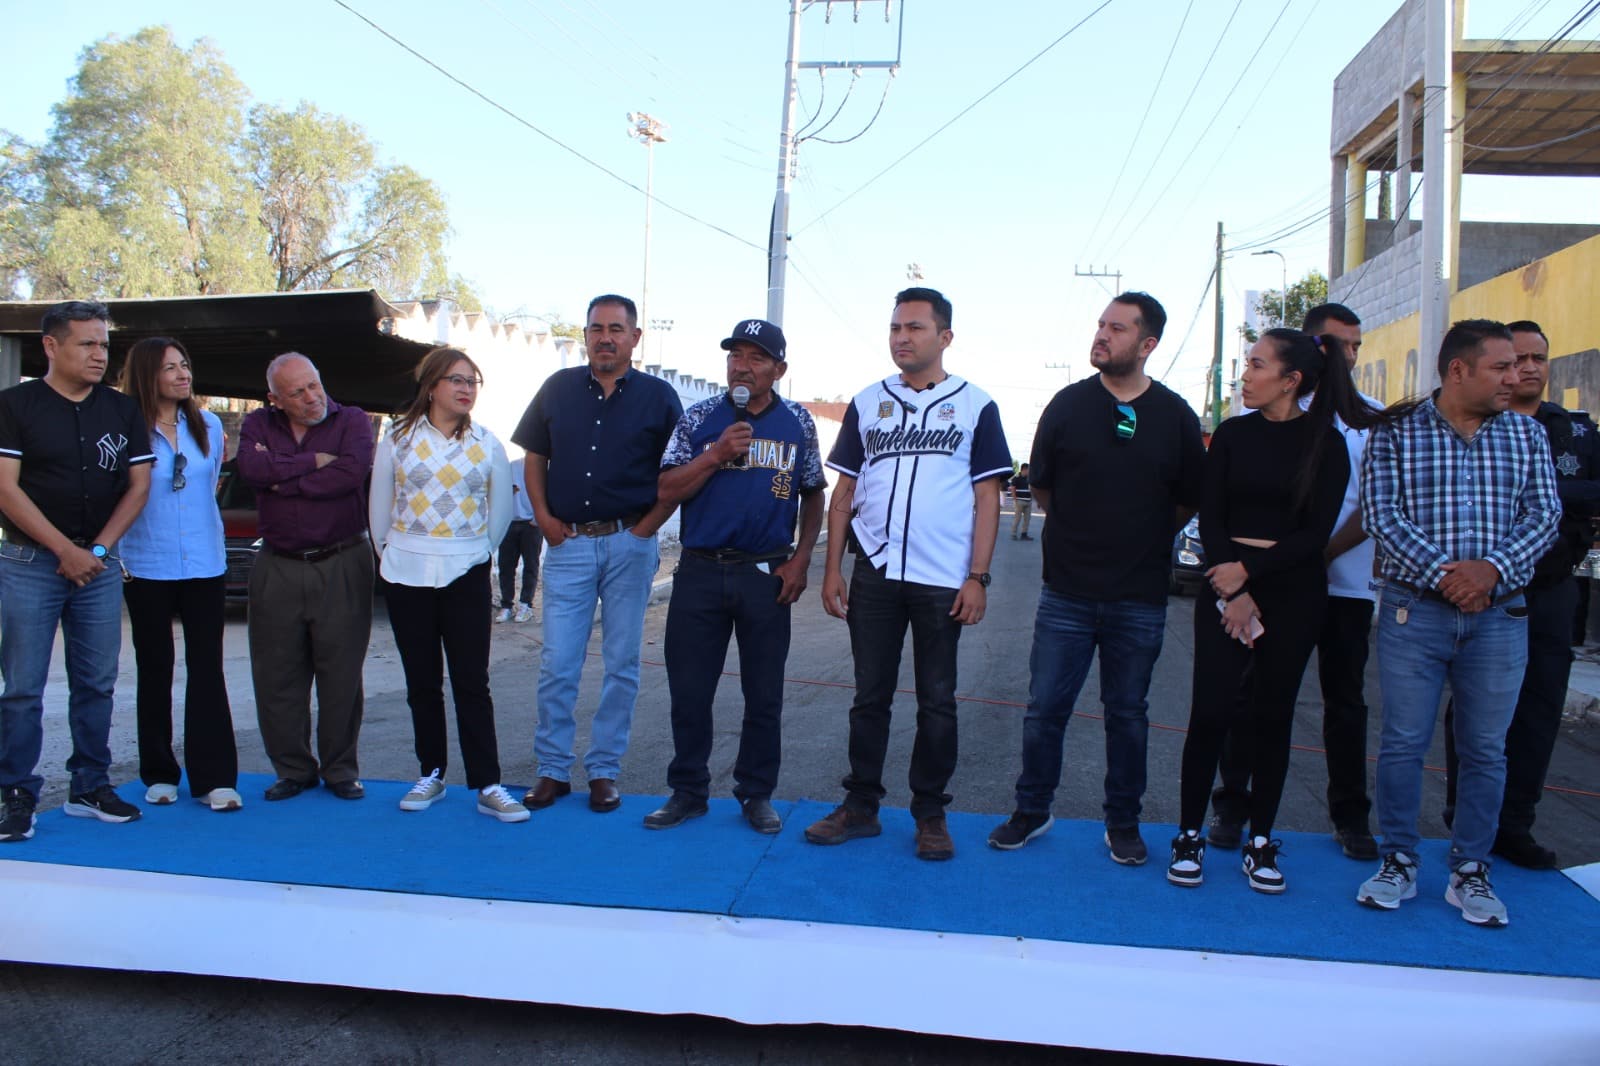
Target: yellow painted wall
pixel 1561 292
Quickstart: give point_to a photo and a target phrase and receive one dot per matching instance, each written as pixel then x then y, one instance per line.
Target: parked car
pixel 237 501
pixel 1188 560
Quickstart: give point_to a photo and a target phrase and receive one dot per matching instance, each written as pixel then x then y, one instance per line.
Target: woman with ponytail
pixel 1274 482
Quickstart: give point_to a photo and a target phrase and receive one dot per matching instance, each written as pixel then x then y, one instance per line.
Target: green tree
pixel 1304 294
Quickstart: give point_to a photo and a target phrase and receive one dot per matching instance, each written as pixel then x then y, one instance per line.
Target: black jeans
pixel 710 602
pixel 1250 693
pixel 880 611
pixel 521 543
pixel 455 617
pixel 1342 650
pixel 208 746
pixel 1536 723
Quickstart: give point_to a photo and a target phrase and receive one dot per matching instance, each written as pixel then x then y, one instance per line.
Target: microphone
pixel 740 395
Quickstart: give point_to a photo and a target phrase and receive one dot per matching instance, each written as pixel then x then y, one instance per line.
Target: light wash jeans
pixel 616 571
pixel 1482 655
pixel 34 600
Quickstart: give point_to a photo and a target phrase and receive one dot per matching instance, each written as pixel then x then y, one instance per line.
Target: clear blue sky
pixel 1053 171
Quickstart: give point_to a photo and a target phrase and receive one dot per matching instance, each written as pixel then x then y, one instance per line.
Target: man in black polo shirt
pixel 594 436
pixel 74 474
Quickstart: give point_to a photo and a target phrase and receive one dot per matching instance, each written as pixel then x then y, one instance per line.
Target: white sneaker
pixel 1471 893
pixel 524 613
pixel 222 800
pixel 424 793
pixel 503 615
pixel 496 802
pixel 161 795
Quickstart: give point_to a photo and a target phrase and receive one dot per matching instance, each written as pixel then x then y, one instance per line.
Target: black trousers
pixel 712 601
pixel 1342 649
pixel 521 543
pixel 208 746
pixel 1536 723
pixel 1250 692
pixel 456 619
pixel 880 612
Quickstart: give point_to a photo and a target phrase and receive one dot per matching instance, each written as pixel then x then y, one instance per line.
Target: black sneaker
pixel 1261 865
pixel 103 803
pixel 1357 843
pixel 1226 831
pixel 1020 828
pixel 1188 855
pixel 1522 850
pixel 16 815
pixel 1127 846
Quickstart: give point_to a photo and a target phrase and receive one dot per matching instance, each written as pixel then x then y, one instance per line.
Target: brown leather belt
pixel 327 551
pixel 607 527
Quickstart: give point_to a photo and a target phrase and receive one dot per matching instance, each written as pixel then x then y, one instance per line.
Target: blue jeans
pixel 615 571
pixel 34 600
pixel 1482 655
pixel 1066 631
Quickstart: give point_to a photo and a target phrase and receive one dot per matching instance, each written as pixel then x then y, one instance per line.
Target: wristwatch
pixel 98 551
pixel 982 579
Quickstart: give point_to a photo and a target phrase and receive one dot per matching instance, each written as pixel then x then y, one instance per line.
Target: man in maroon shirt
pixel 308 459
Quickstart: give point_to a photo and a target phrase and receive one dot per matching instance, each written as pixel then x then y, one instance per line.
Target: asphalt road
pixel 57 1014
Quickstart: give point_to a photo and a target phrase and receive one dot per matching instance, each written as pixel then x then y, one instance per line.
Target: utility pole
pixel 1093 273
pixel 649 132
pixel 1441 154
pixel 778 237
pixel 1216 357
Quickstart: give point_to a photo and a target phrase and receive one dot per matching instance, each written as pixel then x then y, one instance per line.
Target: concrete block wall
pixel 1385 288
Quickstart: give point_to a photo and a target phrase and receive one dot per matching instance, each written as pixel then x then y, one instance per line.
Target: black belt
pixel 730 557
pixel 316 555
pixel 606 527
pixel 1438 597
pixel 22 540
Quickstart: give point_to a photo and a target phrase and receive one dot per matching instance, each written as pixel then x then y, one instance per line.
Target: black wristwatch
pixel 982 579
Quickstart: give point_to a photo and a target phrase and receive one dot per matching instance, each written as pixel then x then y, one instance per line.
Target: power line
pixel 958 116
pixel 1193 320
pixel 888 81
pixel 547 136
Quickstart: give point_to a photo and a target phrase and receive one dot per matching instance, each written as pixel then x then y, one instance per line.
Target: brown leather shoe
pixel 844 823
pixel 603 795
pixel 933 839
pixel 546 792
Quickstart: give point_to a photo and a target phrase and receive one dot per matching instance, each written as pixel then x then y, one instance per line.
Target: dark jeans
pixel 1066 632
pixel 710 602
pixel 208 746
pixel 455 617
pixel 880 611
pixel 1536 723
pixel 521 542
pixel 1250 692
pixel 1342 649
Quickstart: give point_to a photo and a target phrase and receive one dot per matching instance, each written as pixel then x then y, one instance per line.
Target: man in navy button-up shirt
pixel 594 436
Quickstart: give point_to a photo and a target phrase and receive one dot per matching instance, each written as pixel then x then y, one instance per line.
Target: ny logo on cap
pixel 753 327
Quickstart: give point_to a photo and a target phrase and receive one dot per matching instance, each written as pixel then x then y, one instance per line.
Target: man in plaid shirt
pixel 1459 493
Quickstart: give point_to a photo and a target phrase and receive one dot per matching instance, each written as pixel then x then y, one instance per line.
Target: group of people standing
pixel 1458 493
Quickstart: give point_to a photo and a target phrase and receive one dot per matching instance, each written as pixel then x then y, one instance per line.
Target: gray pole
pixel 1438 164
pixel 778 239
pixel 648 131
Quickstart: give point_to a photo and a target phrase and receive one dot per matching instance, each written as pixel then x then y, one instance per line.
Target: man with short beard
pixel 594 436
pixel 308 458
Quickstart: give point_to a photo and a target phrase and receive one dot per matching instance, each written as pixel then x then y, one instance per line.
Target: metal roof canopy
pixel 1527 113
pixel 347 333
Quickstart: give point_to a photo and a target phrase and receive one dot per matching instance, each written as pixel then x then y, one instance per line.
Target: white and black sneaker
pixel 16 815
pixel 103 803
pixel 1188 857
pixel 1261 865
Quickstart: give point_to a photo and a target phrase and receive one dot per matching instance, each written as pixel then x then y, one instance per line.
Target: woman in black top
pixel 1274 482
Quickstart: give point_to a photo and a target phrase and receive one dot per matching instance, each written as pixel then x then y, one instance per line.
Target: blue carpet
pixel 1060 887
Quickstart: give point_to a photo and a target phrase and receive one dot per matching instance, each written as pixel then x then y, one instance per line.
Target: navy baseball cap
pixel 762 334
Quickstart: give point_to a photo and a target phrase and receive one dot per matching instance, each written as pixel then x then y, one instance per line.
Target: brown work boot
pixel 933 839
pixel 845 823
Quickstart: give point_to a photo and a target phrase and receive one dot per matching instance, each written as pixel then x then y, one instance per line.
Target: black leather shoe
pixel 1523 850
pixel 347 790
pixel 1357 843
pixel 679 808
pixel 761 816
pixel 288 788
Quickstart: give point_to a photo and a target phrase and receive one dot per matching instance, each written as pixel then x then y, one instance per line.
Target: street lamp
pixel 649 132
pixel 1283 294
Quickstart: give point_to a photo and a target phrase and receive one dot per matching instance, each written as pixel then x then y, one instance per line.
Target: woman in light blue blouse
pixel 174 560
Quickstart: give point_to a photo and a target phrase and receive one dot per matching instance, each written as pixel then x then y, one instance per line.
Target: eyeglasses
pixel 462 383
pixel 179 462
pixel 1128 424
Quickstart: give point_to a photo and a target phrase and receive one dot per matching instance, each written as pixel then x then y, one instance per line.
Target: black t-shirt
pixel 1113 501
pixel 1020 488
pixel 1251 473
pixel 75 455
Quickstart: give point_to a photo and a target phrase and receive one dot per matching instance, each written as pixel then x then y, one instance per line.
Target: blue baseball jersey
pixel 915 457
pixel 750 508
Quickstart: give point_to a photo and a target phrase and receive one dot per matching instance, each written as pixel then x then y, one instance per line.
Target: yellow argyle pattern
pixel 441 485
